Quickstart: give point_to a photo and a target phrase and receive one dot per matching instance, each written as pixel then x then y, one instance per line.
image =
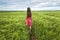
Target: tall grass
pixel 46 26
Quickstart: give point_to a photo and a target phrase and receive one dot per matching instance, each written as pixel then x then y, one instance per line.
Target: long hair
pixel 29 12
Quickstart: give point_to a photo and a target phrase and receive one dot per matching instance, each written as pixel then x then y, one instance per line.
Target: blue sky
pixel 33 4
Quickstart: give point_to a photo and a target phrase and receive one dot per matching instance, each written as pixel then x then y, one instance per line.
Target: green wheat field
pixel 46 25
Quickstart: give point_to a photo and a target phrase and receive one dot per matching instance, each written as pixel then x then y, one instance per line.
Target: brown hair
pixel 28 12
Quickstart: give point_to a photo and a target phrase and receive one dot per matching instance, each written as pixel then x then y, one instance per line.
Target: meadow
pixel 46 25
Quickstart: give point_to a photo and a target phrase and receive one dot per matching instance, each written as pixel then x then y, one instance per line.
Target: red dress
pixel 29 21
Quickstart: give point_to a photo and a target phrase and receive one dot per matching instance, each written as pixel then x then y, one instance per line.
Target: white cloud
pixel 51 8
pixel 34 4
pixel 56 1
pixel 46 4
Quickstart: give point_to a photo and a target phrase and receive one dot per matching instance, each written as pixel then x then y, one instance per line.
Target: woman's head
pixel 28 12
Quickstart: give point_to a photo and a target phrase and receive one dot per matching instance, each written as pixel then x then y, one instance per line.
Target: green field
pixel 46 25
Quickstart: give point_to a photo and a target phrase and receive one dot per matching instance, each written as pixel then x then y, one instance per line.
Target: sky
pixel 33 4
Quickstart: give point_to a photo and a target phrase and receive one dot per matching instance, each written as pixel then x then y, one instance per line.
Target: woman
pixel 29 19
